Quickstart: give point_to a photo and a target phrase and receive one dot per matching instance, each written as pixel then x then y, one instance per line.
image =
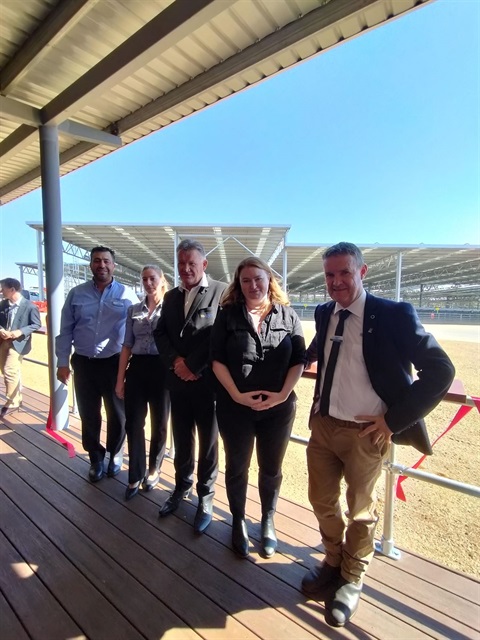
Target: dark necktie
pixel 332 361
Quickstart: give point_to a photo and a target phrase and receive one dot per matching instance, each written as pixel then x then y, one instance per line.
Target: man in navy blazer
pixel 19 318
pixel 365 398
pixel 182 337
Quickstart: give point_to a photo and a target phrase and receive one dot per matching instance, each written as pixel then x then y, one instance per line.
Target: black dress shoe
pixel 173 502
pixel 203 517
pixel 269 537
pixel 131 492
pixel 96 471
pixel 114 466
pixel 320 581
pixel 341 607
pixel 240 537
pixel 5 411
pixel 149 485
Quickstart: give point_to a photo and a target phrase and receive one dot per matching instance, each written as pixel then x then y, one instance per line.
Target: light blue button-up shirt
pixel 93 321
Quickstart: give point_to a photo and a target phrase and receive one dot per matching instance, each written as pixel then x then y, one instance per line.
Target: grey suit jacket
pixel 187 337
pixel 27 319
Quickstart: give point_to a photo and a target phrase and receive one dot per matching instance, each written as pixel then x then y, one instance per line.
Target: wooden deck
pixel 79 562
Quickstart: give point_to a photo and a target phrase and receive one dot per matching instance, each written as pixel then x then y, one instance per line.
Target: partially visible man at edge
pixel 364 399
pixel 93 321
pixel 19 318
pixel 182 337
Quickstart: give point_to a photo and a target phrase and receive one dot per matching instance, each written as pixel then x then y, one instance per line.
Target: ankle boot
pixel 203 516
pixel 269 537
pixel 240 537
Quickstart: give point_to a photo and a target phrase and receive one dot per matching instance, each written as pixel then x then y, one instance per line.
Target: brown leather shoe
pixel 320 581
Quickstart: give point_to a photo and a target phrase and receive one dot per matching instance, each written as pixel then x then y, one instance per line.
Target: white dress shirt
pixel 191 293
pixel 352 393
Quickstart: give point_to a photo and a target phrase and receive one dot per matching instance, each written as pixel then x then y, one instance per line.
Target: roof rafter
pixel 177 20
pixel 62 17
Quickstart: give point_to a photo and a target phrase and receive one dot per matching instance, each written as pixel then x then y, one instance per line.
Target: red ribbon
pixel 50 429
pixel 461 413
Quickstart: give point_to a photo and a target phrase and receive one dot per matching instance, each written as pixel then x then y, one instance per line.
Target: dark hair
pixel 345 249
pixel 102 250
pixel 233 293
pixel 11 283
pixel 191 245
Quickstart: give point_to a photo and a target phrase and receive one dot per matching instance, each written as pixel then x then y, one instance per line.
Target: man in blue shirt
pixel 93 321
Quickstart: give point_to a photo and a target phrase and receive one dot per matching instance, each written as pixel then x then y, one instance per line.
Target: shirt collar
pixel 203 283
pixel 357 307
pixel 109 286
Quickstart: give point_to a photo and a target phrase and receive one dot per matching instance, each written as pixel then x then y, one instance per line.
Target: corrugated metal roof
pixel 131 68
pixel 455 266
pixel 432 266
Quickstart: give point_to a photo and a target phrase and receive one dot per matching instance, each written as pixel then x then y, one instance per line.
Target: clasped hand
pixel 182 371
pixel 9 335
pixel 260 400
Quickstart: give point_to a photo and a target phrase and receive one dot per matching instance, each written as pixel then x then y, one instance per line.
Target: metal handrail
pixel 386 546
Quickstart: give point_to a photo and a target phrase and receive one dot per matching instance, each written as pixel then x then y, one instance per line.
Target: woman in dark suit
pixel 258 354
pixel 141 381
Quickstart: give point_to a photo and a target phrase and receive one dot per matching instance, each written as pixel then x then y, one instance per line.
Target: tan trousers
pixel 10 365
pixel 334 452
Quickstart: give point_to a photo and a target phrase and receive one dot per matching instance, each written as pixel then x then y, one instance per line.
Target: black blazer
pixel 187 337
pixel 393 341
pixel 27 319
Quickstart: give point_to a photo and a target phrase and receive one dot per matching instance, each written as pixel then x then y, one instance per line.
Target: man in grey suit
pixel 19 318
pixel 182 337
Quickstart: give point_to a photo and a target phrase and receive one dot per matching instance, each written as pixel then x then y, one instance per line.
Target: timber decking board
pixel 227 592
pixel 413 598
pixel 24 592
pixel 11 626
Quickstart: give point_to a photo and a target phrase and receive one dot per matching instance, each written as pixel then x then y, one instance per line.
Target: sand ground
pixel 438 523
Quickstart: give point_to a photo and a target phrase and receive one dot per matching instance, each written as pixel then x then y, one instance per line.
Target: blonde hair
pixel 233 293
pixel 164 285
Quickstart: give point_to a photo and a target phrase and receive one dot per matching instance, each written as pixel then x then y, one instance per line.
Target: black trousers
pixel 192 405
pixel 240 427
pixel 144 389
pixel 94 380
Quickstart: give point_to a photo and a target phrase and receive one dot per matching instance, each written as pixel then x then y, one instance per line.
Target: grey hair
pixel 191 245
pixel 345 248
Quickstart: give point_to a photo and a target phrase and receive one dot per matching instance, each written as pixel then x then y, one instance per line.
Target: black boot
pixel 269 537
pixel 240 537
pixel 203 516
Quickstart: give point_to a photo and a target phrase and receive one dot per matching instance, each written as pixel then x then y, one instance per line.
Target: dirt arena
pixel 438 523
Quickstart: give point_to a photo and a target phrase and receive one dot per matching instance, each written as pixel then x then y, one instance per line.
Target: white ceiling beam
pixel 24 114
pixel 89 134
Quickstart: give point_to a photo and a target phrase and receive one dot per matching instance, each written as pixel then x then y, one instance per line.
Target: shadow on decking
pixel 78 561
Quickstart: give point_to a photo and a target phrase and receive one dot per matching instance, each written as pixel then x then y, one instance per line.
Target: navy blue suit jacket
pixel 393 341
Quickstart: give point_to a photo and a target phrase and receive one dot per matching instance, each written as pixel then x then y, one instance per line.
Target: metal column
pixel 52 224
pixel 41 283
pixel 387 544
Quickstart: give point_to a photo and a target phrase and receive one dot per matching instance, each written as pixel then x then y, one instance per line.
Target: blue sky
pixel 377 140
